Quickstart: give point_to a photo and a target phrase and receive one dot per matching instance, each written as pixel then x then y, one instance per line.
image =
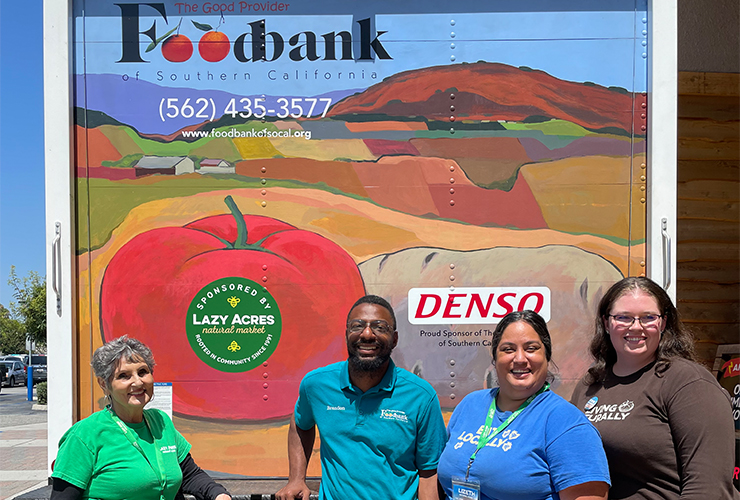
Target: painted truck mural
pixel 246 170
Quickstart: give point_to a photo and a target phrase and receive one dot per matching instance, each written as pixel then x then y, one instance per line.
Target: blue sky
pixel 22 237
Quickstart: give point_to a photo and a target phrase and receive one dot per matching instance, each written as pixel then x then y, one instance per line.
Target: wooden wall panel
pixel 693 170
pixel 708 239
pixel 708 84
pixel 694 291
pixel 707 251
pixel 707 229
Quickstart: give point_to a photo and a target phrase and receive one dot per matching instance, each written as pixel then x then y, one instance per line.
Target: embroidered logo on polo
pixel 397 415
pixel 335 408
pixel 609 411
pixel 503 440
pixel 168 449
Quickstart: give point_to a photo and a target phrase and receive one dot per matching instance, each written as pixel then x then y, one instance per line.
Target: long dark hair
pixel 675 341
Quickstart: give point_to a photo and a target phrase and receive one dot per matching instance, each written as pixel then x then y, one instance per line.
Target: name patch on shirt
pixel 335 408
pixel 610 411
pixel 168 449
pixel 397 415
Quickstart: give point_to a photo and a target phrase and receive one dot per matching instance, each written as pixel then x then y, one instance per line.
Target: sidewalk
pixel 22 459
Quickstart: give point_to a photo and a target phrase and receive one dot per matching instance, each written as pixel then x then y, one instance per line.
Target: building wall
pixel 708 239
pixel 709 36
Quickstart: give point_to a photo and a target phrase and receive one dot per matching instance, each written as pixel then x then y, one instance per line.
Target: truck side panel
pixel 247 170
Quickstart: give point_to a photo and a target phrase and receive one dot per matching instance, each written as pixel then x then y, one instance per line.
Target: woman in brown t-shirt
pixel 665 422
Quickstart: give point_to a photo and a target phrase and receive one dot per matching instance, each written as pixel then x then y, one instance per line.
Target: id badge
pixel 465 490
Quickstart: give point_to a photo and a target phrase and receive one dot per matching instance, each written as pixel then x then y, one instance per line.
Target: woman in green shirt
pixel 125 451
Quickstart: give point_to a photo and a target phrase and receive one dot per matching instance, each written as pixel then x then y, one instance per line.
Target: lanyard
pixel 159 471
pixel 489 433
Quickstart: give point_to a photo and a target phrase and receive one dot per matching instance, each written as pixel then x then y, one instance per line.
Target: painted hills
pixel 492 91
pixel 533 163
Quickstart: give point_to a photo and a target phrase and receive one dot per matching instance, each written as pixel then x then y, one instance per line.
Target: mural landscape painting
pixel 474 174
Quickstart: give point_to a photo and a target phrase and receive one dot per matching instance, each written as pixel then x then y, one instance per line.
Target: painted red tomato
pixel 151 281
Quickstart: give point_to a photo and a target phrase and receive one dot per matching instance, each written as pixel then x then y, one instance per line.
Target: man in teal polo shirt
pixel 381 427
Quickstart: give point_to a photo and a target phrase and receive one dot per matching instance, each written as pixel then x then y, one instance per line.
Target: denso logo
pixel 468 306
pixel 252 45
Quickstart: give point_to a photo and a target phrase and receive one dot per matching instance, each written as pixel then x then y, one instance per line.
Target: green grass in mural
pixel 128 161
pixel 83 214
pixel 550 141
pixel 111 201
pixel 551 127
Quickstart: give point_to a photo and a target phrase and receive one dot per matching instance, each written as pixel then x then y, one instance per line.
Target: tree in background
pixel 30 306
pixel 12 334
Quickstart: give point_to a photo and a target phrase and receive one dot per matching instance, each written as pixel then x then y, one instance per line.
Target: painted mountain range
pixel 483 92
pixel 492 92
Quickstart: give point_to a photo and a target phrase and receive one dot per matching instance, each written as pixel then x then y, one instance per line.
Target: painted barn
pixel 164 165
pixel 216 166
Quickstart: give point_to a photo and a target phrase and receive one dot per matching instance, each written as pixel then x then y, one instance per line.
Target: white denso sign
pixel 466 306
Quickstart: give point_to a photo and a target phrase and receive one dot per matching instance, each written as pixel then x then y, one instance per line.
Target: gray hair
pixel 106 358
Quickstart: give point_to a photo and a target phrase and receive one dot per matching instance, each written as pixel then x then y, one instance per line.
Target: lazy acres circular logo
pixel 233 324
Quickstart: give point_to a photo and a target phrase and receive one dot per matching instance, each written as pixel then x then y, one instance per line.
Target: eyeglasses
pixel 627 321
pixel 378 326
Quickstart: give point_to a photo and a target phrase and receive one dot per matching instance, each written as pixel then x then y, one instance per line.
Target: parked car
pixel 38 362
pixel 16 372
pixel 3 375
pixel 15 357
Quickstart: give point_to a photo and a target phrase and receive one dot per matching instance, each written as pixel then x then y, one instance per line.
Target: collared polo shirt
pixel 372 444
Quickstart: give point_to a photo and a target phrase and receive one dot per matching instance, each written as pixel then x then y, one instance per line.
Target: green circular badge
pixel 233 324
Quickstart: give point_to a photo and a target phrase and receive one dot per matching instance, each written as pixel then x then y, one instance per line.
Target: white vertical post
pixel 60 233
pixel 662 143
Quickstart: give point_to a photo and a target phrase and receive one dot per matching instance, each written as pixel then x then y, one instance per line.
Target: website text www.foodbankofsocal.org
pixel 233 132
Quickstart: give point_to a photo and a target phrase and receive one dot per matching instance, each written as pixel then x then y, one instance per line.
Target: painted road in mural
pixel 248 169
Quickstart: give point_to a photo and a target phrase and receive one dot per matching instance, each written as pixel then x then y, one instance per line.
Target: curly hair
pixel 106 358
pixel 675 341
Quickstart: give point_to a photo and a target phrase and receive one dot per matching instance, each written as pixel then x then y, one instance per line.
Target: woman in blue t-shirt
pixel 521 440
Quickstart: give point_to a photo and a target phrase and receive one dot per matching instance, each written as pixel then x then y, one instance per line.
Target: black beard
pixel 358 364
